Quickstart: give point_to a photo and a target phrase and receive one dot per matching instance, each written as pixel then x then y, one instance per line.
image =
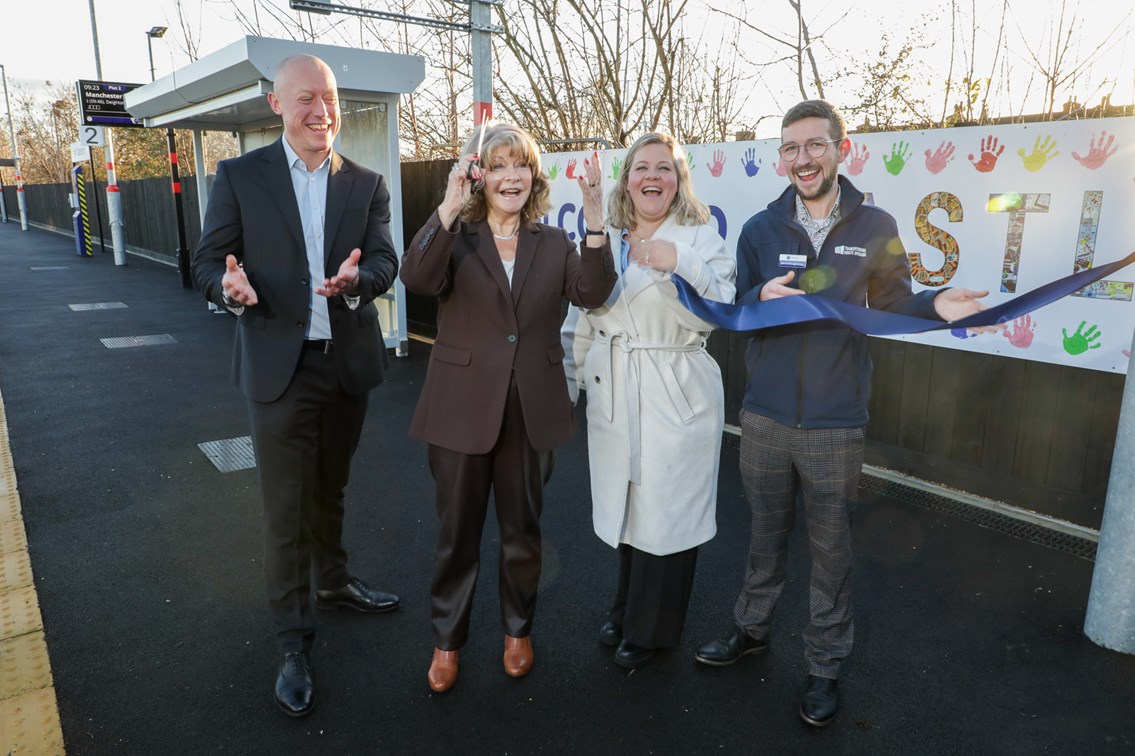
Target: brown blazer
pixel 487 331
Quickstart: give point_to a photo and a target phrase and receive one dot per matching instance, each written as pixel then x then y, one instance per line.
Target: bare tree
pixel 585 69
pixel 45 125
pixel 800 46
pixel 1059 65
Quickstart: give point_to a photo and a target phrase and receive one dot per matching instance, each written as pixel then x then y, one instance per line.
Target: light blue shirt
pixel 624 251
pixel 311 196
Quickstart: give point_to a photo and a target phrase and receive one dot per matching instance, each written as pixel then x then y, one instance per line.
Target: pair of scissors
pixel 480 140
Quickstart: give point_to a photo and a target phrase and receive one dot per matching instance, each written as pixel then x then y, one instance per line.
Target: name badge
pixel 793 261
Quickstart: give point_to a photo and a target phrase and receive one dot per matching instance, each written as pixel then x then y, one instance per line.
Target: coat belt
pixel 629 348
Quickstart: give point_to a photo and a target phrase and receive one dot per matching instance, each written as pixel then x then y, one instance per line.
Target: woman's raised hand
pixel 591 185
pixel 462 178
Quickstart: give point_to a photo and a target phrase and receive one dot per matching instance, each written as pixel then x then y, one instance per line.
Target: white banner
pixel 998 208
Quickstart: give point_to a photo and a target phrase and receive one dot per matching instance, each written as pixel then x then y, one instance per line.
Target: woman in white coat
pixel 655 401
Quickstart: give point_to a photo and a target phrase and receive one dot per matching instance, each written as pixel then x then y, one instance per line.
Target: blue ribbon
pixel 807 308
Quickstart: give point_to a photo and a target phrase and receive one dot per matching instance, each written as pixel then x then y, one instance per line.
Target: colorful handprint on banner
pixel 718 164
pixel 1081 341
pixel 941 157
pixel 1043 151
pixel 900 153
pixel 1098 152
pixel 752 165
pixel 857 160
pixel 990 151
pixel 1021 334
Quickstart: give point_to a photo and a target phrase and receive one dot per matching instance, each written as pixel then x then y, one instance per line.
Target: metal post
pixel 1111 603
pixel 175 179
pixel 23 203
pixel 182 244
pixel 95 202
pixel 480 18
pixel 113 199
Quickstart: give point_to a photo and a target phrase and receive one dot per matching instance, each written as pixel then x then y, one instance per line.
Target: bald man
pixel 296 243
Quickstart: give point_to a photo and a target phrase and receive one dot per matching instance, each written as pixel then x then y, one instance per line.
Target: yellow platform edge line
pixel 29 710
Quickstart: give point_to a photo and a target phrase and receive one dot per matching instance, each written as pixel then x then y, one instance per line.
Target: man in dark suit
pixel 296 243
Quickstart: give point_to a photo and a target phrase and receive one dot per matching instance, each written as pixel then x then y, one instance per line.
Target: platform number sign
pixel 92 136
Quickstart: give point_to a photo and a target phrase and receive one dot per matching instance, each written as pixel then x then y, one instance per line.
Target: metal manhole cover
pixel 230 454
pixel 98 306
pixel 120 342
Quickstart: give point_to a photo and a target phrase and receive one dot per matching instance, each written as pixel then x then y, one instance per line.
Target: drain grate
pixel 230 454
pixel 97 306
pixel 51 267
pixel 1070 544
pixel 121 342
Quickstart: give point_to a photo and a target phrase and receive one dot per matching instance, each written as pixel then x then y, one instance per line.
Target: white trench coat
pixel 655 402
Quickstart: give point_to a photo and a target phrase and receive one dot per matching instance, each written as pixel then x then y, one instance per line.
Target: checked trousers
pixel 824 465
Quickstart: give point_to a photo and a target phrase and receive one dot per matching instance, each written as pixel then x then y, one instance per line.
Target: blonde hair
pixel 518 143
pixel 686 208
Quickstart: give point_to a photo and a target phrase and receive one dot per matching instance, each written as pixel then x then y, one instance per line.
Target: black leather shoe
pixel 295 686
pixel 820 701
pixel 610 634
pixel 724 651
pixel 631 656
pixel 357 595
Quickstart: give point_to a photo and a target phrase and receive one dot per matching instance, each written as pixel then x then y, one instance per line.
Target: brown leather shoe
pixel 443 670
pixel 518 655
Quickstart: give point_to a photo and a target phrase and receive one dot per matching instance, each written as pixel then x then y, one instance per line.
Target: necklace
pixel 509 237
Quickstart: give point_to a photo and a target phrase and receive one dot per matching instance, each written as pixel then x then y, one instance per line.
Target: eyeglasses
pixel 815 148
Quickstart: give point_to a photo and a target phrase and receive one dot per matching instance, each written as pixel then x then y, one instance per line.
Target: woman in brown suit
pixel 495 403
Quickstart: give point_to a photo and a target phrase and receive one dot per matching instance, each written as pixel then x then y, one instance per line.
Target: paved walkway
pixel 146 566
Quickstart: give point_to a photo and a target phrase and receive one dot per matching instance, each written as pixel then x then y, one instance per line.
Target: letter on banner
pixel 1086 252
pixel 1016 205
pixel 567 208
pixel 936 238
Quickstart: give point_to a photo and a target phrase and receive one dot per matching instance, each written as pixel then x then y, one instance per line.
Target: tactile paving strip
pixel 12 536
pixel 23 663
pixel 30 724
pixel 15 570
pixel 120 342
pixel 29 712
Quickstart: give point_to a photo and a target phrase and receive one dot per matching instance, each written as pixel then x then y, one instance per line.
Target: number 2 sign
pixel 92 136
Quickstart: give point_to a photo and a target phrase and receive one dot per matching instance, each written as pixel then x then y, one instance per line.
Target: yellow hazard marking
pixel 81 184
pixel 29 712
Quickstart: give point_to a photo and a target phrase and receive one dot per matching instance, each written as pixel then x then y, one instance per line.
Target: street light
pixel 58 109
pixel 156 31
pixel 175 177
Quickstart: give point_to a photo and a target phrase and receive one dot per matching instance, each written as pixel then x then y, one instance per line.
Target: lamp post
pixel 15 156
pixel 175 179
pixel 156 31
pixel 57 109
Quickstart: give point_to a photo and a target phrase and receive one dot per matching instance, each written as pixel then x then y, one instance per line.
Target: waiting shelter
pixel 227 91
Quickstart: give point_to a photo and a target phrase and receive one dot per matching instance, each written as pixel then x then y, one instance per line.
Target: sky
pixel 52 39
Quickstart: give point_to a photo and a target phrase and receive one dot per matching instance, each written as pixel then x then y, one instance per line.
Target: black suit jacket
pixel 253 214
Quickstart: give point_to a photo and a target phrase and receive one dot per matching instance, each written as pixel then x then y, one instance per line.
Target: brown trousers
pixel 515 473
